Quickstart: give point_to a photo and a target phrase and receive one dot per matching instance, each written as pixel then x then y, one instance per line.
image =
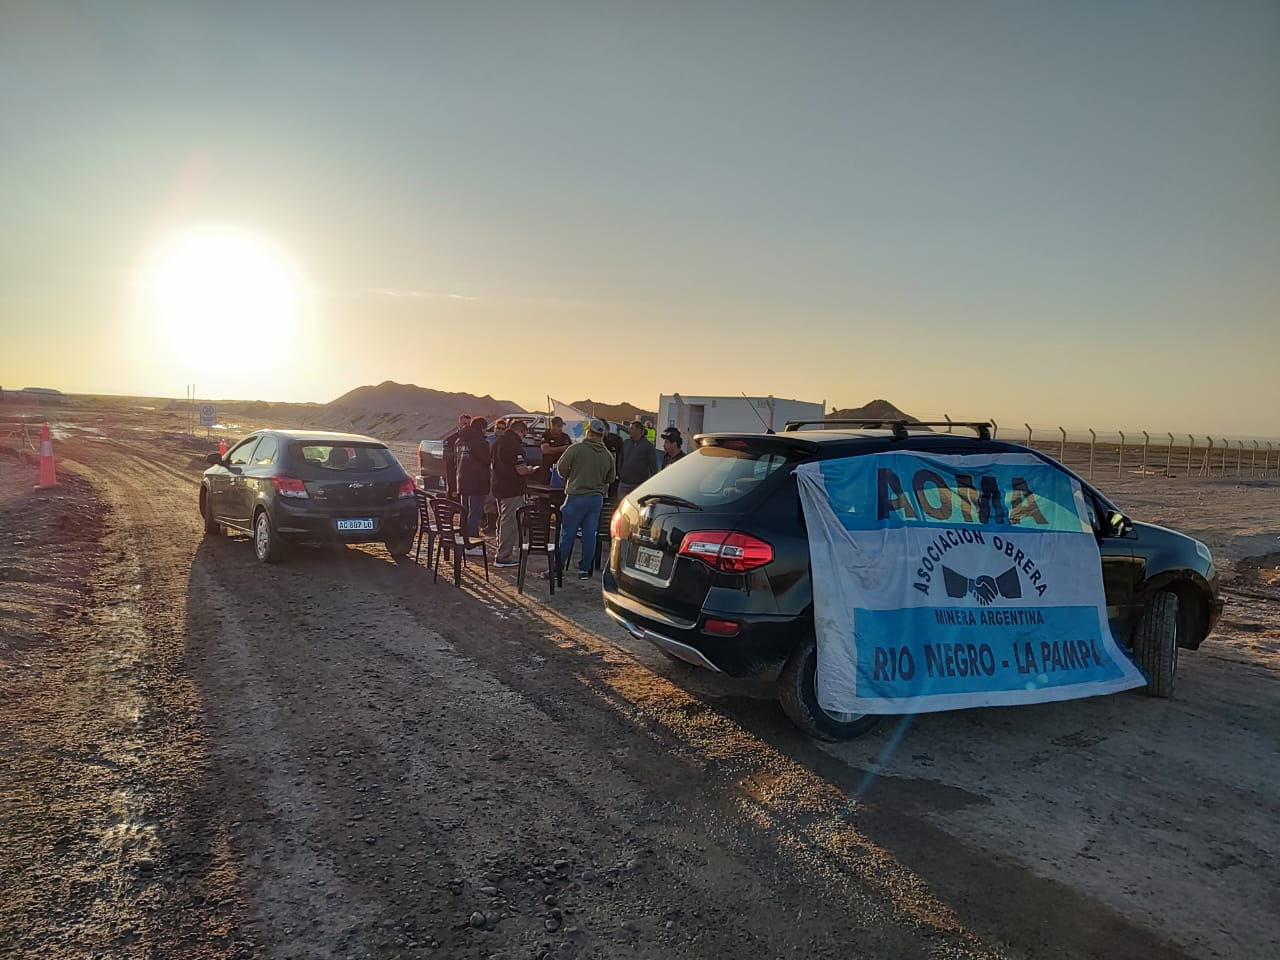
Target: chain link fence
pixel 1096 454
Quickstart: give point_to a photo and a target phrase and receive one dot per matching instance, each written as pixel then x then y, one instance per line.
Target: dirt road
pixel 205 757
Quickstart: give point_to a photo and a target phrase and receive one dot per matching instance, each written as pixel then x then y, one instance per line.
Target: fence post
pixel 1191 446
pixel 1206 465
pixel 1253 466
pixel 1028 426
pixel 1168 460
pixel 1226 443
pixel 1120 465
pixel 1239 455
pixel 948 419
pixel 1266 460
pixel 1062 449
pixel 1146 442
pixel 995 429
pixel 1092 442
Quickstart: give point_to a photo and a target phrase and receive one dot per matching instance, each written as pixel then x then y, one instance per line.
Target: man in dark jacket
pixel 613 443
pixel 639 461
pixel 510 473
pixel 473 473
pixel 672 446
pixel 451 457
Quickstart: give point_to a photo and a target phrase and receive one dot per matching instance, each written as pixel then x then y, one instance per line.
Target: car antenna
pixel 752 406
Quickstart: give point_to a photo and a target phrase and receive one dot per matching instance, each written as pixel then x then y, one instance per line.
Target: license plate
pixel 648 560
pixel 355 524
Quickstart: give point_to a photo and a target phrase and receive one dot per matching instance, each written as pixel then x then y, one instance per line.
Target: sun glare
pixel 220 292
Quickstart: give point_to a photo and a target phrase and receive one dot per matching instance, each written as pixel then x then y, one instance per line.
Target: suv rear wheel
pixel 1155 643
pixel 798 693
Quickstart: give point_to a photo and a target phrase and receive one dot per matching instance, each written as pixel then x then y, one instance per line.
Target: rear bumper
pixel 294 521
pixel 760 649
pixel 679 650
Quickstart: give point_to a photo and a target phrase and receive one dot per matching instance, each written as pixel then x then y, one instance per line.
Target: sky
pixel 1057 213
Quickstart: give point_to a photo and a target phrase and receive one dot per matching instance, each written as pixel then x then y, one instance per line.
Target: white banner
pixel 943 582
pixel 575 420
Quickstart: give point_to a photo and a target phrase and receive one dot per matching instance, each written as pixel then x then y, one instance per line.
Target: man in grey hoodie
pixel 639 460
pixel 588 468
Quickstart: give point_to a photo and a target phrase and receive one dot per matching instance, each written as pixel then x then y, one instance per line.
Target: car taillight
pixel 289 487
pixel 407 487
pixel 726 550
pixel 419 459
pixel 615 525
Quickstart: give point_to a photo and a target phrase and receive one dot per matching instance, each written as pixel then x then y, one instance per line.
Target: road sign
pixel 208 415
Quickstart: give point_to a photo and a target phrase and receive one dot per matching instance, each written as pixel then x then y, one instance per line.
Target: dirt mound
pixel 405 411
pixel 875 410
pixel 617 412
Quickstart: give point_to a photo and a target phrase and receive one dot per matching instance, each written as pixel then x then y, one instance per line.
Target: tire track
pixel 374 761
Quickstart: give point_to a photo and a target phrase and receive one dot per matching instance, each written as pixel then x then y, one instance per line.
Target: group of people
pixel 489 467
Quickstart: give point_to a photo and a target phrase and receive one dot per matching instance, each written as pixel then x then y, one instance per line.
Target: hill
pixel 405 411
pixel 875 410
pixel 617 412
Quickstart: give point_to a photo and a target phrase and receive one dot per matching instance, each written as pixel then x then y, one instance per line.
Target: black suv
pixel 289 486
pixel 710 562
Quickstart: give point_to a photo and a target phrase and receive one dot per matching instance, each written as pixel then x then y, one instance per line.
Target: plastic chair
pixel 603 536
pixel 426 526
pixel 539 526
pixel 451 536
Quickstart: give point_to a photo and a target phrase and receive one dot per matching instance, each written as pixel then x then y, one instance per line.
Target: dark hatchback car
pixel 304 486
pixel 710 562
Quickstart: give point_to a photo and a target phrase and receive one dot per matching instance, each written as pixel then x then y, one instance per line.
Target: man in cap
pixel 672 446
pixel 588 470
pixel 554 442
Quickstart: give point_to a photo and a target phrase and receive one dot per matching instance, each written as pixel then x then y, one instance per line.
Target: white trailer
pixel 741 414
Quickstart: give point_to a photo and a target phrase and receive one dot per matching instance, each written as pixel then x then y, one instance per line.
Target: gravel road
pixel 335 757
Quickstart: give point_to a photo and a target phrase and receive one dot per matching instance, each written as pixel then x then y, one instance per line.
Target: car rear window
pixel 721 474
pixel 343 457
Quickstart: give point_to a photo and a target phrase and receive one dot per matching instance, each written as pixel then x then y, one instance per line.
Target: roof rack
pixel 900 428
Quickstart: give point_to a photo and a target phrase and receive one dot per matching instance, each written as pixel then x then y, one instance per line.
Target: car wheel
pixel 1155 643
pixel 210 525
pixel 266 545
pixel 400 547
pixel 798 693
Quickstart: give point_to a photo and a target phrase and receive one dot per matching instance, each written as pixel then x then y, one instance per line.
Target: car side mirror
pixel 213 459
pixel 1118 525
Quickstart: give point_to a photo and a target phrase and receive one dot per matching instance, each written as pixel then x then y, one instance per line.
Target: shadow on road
pixel 731 759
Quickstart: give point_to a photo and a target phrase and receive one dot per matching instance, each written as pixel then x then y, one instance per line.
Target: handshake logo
pixel 985 588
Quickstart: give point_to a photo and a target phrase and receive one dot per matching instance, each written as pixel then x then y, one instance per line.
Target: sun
pixel 222 292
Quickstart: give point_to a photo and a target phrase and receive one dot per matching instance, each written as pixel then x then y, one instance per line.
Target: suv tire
pixel 798 693
pixel 1155 643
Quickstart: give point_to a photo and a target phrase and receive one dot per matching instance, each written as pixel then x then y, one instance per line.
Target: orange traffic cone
pixel 47 476
pixel 222 448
